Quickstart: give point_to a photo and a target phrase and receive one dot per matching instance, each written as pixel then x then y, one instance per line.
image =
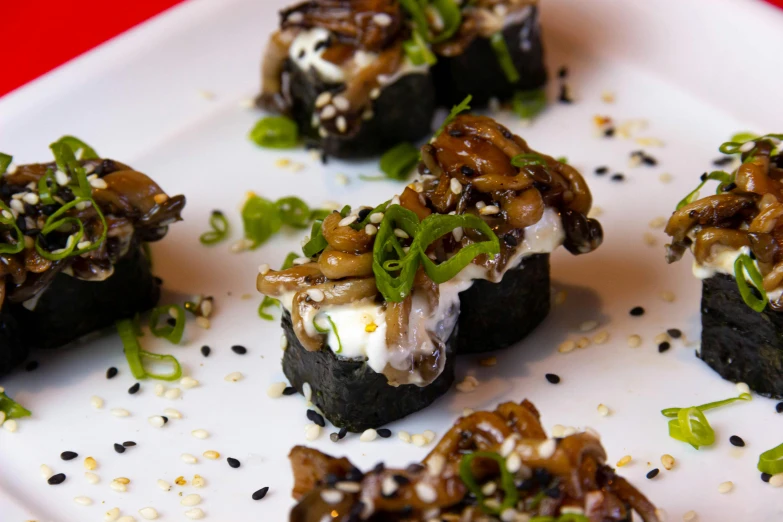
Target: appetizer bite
pixel 491 466
pixel 736 238
pixel 459 262
pixel 338 68
pixel 73 233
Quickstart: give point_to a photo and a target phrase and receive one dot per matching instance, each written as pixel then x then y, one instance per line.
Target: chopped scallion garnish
pixel 5 161
pixel 11 408
pixel 530 158
pixel 220 229
pixel 463 106
pixel 81 150
pixel 771 461
pixel 449 13
pixel 418 51
pixel 266 303
pixel 7 219
pixel 738 140
pixel 691 426
pixel 293 211
pixel 317 242
pixel 261 219
pixel 398 162
pixel 323 330
pixel 672 412
pixel 529 104
pixel 724 177
pixel 127 328
pixel 275 132
pixel 503 55
pixel 745 265
pixel 171 332
pixel 511 494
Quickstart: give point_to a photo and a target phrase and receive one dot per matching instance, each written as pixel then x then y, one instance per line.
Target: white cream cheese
pixel 721 261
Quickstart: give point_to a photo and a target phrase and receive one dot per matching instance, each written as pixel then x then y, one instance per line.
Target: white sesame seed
pixel 191 500
pixel 547 448
pixel 428 435
pixel 508 445
pixel 344 222
pixel 198 481
pixel 747 147
pixel 99 183
pixel 194 514
pixel 307 391
pixel 316 294
pixel 370 229
pixel 83 501
pixel 91 477
pixel 46 471
pixel 10 425
pixel 349 487
pixel 7 215
pixel 419 440
pixel 667 461
pixel 634 341
pixel 61 178
pixel 328 112
pixel 382 19
pixel 275 390
pixel 376 218
pixel 394 201
pixel 200 434
pixel 588 326
pixel 332 496
pixel 156 421
pixel 312 431
pixel 568 431
pixel 425 492
pixel 162 484
pixel 514 462
pixel 323 99
pixel 603 410
pixel 435 464
pixel 17 206
pixel 233 377
pixel 341 179
pixel 725 487
pixel 172 413
pixel 148 513
pixel 456 186
pixel 558 430
pixel 368 435
pixel 404 436
pixel 489 210
pixel 375 93
pixel 118 486
pixel 126 518
pixel 31 198
pixel 342 124
pixel 624 461
pixel 567 346
pixel 188 383
pixel 111 515
pixel 400 233
pixel 188 458
pixel 263 269
pixel 283 342
pixel 172 393
pixel 509 515
pixel 342 103
pixel 388 486
pixel 572 510
pixel 457 233
pixel 120 412
pixel 159 390
pixel 743 388
pixel 689 516
pixel 776 481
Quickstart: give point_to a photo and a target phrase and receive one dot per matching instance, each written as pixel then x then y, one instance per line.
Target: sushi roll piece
pixel 72 253
pixel 385 296
pixel 491 466
pixel 338 69
pixel 490 49
pixel 736 237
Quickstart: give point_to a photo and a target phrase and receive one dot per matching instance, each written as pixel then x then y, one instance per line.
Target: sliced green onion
pixel 530 158
pixel 691 426
pixel 219 232
pixel 463 106
pixel 319 213
pixel 261 220
pixel 724 177
pixel 267 302
pixel 562 159
pixel 134 354
pixel 275 132
pixel 395 288
pixel 55 223
pixel 47 187
pixel 7 219
pixel 744 264
pixel 172 333
pixel 345 211
pixel 289 260
pixel 322 330
pixel 529 104
pixel 293 211
pixel 11 408
pixel 506 481
pixel 498 43
pixel 365 177
pixel 398 162
pixel 738 140
pixel 448 11
pixel 437 225
pixel 80 149
pixel 5 161
pixel 417 50
pixel 317 242
pixel 673 412
pixel 771 461
pixel 744 136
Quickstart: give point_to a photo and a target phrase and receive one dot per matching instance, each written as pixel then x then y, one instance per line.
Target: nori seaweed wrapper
pixel 351 394
pixel 12 350
pixel 403 112
pixel 742 345
pixel 497 315
pixel 477 71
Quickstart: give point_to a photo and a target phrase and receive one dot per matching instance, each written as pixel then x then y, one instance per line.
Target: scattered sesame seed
pixel 618 177
pixel 261 493
pixel 307 391
pixel 623 461
pixel 776 481
pixel 384 433
pixel 91 477
pixel 120 412
pixel 162 484
pixel 56 479
pixel 316 418
pixel 653 473
pixel 205 350
pixel 148 513
pixel 276 389
pixel 664 347
pixel 68 455
pixel 46 471
pixel 428 435
pixel 83 501
pixel 737 441
pixel 425 492
pixel 742 387
pixel 341 124
pixel 566 346
pixel 323 99
pixel 198 481
pixel 111 372
pixel 180 481
pixel 368 435
pixel 112 515
pixel 552 378
pixel 689 516
pixel 637 311
pixel 667 461
pixel 10 425
pixel 634 341
pixel 779 407
pixel 468 384
pixel 725 487
pixel 200 434
pixel 233 377
pixel 238 349
pixel 234 463
pixel 118 486
pixel 191 500
pixel 665 177
pixel 194 514
pixel 765 477
pixel 119 448
pixel 601 337
pixel 135 388
pixel 188 458
pixel 172 393
pixel 547 448
pixel 603 410
pixel 171 412
pixel 418 440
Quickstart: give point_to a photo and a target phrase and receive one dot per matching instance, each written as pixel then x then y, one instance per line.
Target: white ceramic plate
pixel 697 71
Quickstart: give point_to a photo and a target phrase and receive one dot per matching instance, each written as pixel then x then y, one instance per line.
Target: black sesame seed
pixel 165 419
pixel 128 443
pixel 111 372
pixel 737 441
pixel 563 96
pixel 68 455
pixel 703 177
pixel 664 346
pixel 562 72
pixel 330 479
pixel 316 417
pixel 467 171
pixel 765 477
pixel 779 407
pixel 510 239
pixel 135 388
pixel 384 433
pixel 729 187
pixel 239 350
pixel 674 333
pixel 205 350
pixel 342 433
pixel 636 311
pixel 506 133
pixel 261 493
pixel 378 468
pixel 455 133
pixel 289 390
pixel 552 378
pixel 56 479
pixel 653 473
pixel 354 475
pixel 119 448
pixel 608 133
pixel 31 366
pixel 363 213
pixel 618 177
pixel 234 463
pixel 723 161
pixel 649 160
pixel 601 170
pixel 401 480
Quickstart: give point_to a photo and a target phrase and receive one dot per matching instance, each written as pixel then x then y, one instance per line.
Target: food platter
pixel 168 98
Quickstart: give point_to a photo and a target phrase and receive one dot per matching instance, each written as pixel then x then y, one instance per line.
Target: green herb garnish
pixel 398 162
pixel 691 426
pixel 321 330
pixel 172 333
pixel 771 461
pixel 275 132
pixel 744 264
pixel 529 104
pixel 293 211
pixel 317 242
pixel 128 330
pixel 220 229
pixel 506 481
pixel 503 55
pixel 5 161
pixel 261 219
pixel 80 149
pixel 417 50
pixel 528 159
pixel 288 262
pixel 7 219
pixel 267 302
pixel 448 11
pixel 463 106
pixel 11 408
pixel 724 177
pixel 738 140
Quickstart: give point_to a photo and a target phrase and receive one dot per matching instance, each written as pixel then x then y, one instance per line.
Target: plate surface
pixel 138 99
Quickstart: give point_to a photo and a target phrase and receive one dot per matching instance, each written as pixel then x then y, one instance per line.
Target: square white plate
pixel 696 70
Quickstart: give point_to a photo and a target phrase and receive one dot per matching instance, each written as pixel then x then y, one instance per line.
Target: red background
pixel 40 35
